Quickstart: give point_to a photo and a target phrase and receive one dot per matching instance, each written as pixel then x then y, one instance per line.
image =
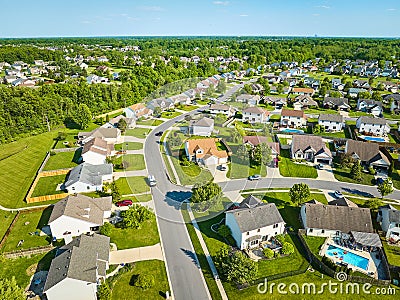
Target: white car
pixel 338 195
pixel 152 180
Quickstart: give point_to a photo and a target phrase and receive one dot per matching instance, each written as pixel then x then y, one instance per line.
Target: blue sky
pixel 207 17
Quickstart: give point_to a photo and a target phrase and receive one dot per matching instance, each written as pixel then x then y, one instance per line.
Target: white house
pixel 202 127
pixel 293 118
pixel 254 222
pixel 205 151
pixel 226 110
pixel 162 103
pixel 371 106
pixel 138 110
pixel 77 270
pixel 331 122
pixel 304 102
pixel 389 218
pixel 110 135
pixel 96 151
pixel 332 220
pixel 311 148
pixel 181 99
pixel 88 178
pixel 372 126
pixel 255 114
pixel 251 100
pixel 336 103
pixel 77 214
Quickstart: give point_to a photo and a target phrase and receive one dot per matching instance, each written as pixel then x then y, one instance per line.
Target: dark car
pixel 126 202
pixel 391 149
pixel 160 133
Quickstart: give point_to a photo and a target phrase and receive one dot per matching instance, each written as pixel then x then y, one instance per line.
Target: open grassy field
pixel 63 160
pixel 19 162
pixel 47 186
pixel 288 168
pixel 28 222
pixel 135 162
pixel 132 185
pixel 6 218
pixel 129 146
pixel 124 289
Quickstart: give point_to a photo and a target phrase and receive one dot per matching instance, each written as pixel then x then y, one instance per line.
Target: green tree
pixel 83 116
pixel 385 188
pixel 135 216
pixel 144 281
pixel 104 292
pixel 9 290
pixel 373 204
pixel 235 136
pixel 106 229
pixel 356 171
pixel 175 141
pixel 206 192
pixel 224 231
pixel 122 124
pixel 157 111
pixel 242 152
pixel 221 87
pixel 268 253
pixel 287 248
pixel 262 154
pixel 364 95
pixel 299 193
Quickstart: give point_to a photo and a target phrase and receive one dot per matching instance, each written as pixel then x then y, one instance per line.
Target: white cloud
pixel 315 15
pixel 224 3
pixel 151 8
pixel 323 6
pixel 243 15
pixel 391 9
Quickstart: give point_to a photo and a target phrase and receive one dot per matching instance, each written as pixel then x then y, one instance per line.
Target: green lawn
pixel 132 185
pixel 239 168
pixel 170 114
pixel 151 122
pixel 71 135
pixel 147 235
pixel 124 290
pixel 6 218
pixel 213 211
pixel 34 222
pixel 340 134
pixel 396 178
pixel 63 160
pixel 129 146
pixel 19 162
pixel 314 243
pixel 140 133
pixel 392 253
pixel 139 198
pixel 288 168
pixel 189 175
pixel 187 107
pixel 344 175
pixel 47 185
pixel 135 162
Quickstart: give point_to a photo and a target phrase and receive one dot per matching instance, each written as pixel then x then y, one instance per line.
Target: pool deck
pixel 372 263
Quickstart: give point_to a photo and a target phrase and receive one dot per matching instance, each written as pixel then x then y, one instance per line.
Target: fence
pixel 325 269
pixel 72 149
pixel 3 240
pixel 28 252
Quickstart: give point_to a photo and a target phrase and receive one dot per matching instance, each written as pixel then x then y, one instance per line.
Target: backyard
pixel 132 185
pixel 170 114
pixel 62 160
pixel 135 162
pixel 239 168
pixel 288 168
pixel 6 218
pixel 48 185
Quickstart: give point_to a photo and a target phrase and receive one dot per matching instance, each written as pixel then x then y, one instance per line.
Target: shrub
pixel 287 248
pixel 268 253
pixel 224 231
pixel 280 238
pixel 144 281
pixel 106 229
pixel 52 153
pixel 104 292
pixel 371 170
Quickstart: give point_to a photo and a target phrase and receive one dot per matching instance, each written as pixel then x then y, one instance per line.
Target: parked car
pixel 339 195
pixel 381 180
pixel 126 202
pixel 160 133
pixel 152 180
pixel 319 166
pixel 223 167
pixel 254 177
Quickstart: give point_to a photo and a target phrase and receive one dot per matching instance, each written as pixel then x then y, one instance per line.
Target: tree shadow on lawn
pixel 133 279
pixel 77 156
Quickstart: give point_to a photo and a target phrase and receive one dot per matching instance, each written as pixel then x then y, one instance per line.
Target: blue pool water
pixel 375 139
pixel 289 130
pixel 349 258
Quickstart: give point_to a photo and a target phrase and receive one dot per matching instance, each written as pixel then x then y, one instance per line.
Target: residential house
pixel 331 220
pixel 372 126
pixel 202 127
pixel 251 100
pixel 224 109
pixel 110 135
pixel 302 91
pixel 96 79
pixel 371 106
pixel 353 92
pixel 254 222
pixel 130 122
pixel 368 154
pixel 336 82
pixel 389 219
pixel 78 268
pixel 96 151
pixel 304 102
pixel 336 103
pixel 331 122
pixel 182 99
pixel 293 118
pixel 364 84
pixel 137 111
pixel 257 88
pixel 78 214
pixel 162 103
pixel 205 151
pixel 277 102
pixel 394 100
pixel 254 140
pixel 311 148
pixel 342 202
pixel 374 72
pixel 255 114
pixel 88 178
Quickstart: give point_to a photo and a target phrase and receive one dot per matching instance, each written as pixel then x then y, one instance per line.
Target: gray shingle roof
pixel 82 259
pixel 342 218
pixel 305 142
pixel 331 117
pixel 394 216
pixel 82 207
pixel 367 152
pixel 257 216
pixel 203 122
pixel 342 202
pixel 370 120
pixel 367 239
pixel 89 174
pixel 331 101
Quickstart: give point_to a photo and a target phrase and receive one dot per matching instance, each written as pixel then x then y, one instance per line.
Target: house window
pixel 73 188
pixel 310 230
pixel 258 230
pixel 275 226
pixel 88 187
pixel 322 231
pixel 247 233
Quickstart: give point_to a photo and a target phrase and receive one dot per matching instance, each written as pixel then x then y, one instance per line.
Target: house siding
pixel 72 289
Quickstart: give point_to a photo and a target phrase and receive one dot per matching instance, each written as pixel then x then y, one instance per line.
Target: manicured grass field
pixel 288 168
pixel 187 107
pixel 123 288
pixel 47 185
pixel 151 122
pixel 314 243
pixel 189 175
pixel 140 133
pixel 170 114
pixel 396 178
pixel 135 162
pixel 6 218
pixel 239 168
pixel 147 235
pixel 392 253
pixel 139 198
pixel 63 160
pixel 19 162
pixel 129 146
pixel 132 185
pixel 34 221
pixel 344 175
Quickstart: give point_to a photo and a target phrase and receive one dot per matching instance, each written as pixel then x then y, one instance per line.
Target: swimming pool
pixel 288 130
pixel 374 139
pixel 348 257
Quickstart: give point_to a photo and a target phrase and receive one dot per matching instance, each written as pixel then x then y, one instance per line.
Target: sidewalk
pixel 129 138
pixel 136 254
pixel 178 182
pixel 207 254
pixel 118 175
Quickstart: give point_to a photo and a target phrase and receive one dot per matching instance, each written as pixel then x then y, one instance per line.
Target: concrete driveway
pixel 136 254
pixel 219 176
pixel 326 174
